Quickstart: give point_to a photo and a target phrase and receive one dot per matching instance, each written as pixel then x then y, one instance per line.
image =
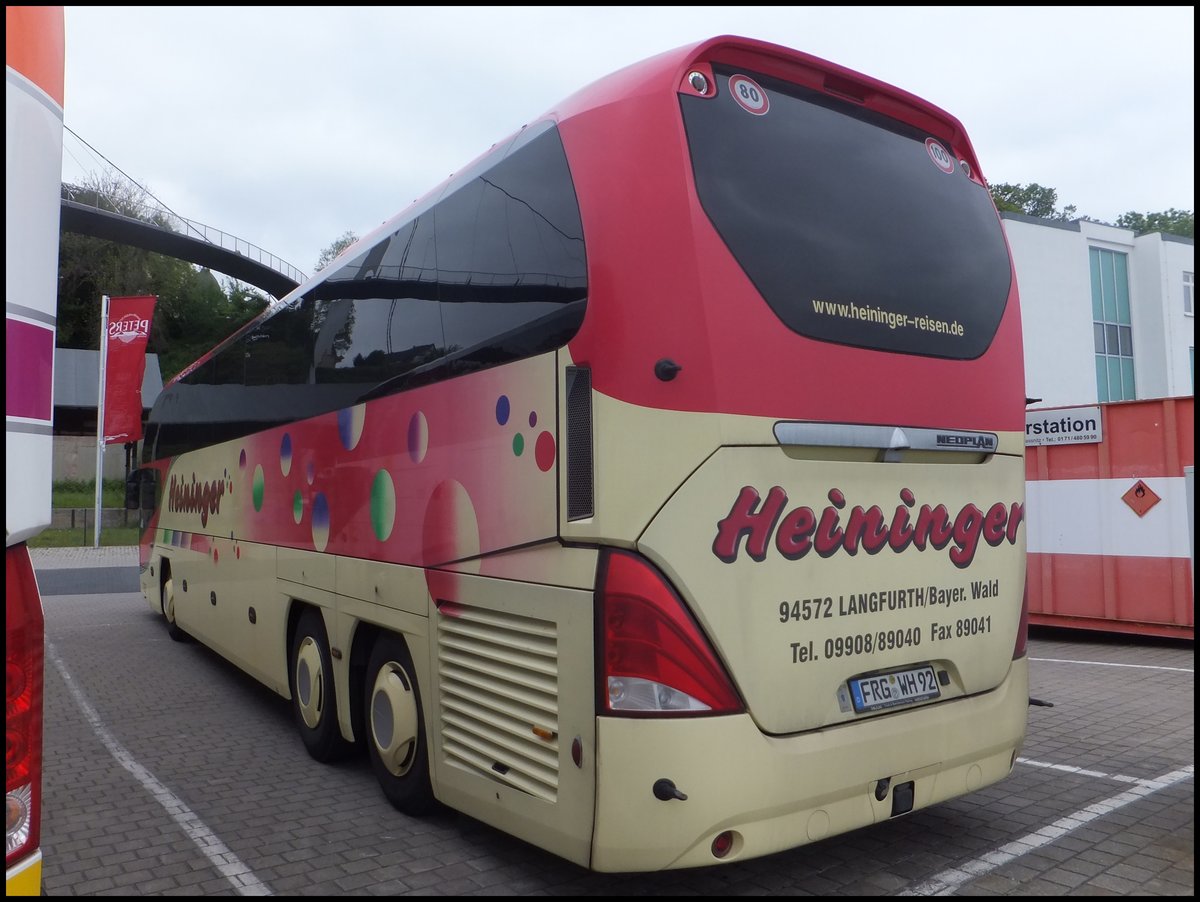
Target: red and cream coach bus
pixel 652 489
pixel 33 100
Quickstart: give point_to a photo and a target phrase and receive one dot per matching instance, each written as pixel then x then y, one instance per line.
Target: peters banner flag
pixel 126 333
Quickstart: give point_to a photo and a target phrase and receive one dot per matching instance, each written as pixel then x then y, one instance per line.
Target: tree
pixel 1172 221
pixel 199 314
pixel 1032 200
pixel 334 250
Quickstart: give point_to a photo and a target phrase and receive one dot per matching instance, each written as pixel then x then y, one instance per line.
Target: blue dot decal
pixel 320 521
pixel 285 454
pixel 350 425
pixel 502 410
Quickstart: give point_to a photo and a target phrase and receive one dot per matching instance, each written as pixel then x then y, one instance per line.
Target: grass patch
pixel 78 538
pixel 82 493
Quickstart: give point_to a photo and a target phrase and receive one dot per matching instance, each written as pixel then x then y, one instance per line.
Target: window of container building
pixel 1111 324
pixel 1189 282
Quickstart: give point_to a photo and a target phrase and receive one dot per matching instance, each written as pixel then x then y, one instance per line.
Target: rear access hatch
pixel 812 575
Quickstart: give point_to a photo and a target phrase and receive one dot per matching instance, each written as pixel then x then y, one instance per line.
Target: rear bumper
pixel 777 793
pixel 25 878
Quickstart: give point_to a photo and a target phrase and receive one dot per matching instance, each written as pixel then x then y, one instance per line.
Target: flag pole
pixel 100 420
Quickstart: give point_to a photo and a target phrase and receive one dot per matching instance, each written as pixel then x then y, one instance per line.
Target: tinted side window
pixel 279 352
pixel 492 271
pixel 511 262
pixel 256 381
pixel 380 317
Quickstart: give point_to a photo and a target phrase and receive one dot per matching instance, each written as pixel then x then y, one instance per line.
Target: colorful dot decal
pixel 242 460
pixel 297 506
pixel 285 454
pixel 259 487
pixel 320 521
pixel 418 437
pixel 350 425
pixel 310 472
pixel 543 451
pixel 532 418
pixel 502 410
pixel 383 505
pixel 518 444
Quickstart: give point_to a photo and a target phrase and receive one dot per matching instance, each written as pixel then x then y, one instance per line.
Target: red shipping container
pixel 1110 522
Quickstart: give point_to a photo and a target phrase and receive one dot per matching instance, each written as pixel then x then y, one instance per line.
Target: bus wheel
pixel 395 728
pixel 313 701
pixel 168 609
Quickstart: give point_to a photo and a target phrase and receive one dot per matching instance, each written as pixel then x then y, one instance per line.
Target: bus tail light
pixel 1023 625
pixel 652 657
pixel 723 843
pixel 24 658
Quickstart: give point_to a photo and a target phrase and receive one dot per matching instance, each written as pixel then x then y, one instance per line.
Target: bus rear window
pixel 855 228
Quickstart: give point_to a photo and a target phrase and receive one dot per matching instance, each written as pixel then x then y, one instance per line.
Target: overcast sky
pixel 289 126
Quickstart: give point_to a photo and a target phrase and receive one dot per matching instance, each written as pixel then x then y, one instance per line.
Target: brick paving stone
pixel 390 888
pixel 1083 866
pixel 1117 884
pixel 1063 877
pixel 354 882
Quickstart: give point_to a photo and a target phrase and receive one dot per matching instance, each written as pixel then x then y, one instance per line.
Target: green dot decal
pixel 518 444
pixel 259 487
pixel 297 507
pixel 383 505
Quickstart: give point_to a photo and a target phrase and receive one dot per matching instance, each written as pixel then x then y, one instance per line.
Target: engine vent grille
pixel 499 696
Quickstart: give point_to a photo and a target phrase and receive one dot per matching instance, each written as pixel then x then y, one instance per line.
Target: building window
pixel 1111 324
pixel 1189 280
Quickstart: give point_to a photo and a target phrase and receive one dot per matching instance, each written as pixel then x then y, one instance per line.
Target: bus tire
pixel 395 727
pixel 314 700
pixel 167 600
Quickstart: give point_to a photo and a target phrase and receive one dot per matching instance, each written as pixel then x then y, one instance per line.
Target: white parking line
pixel 244 881
pixel 1120 778
pixel 1110 664
pixel 949 880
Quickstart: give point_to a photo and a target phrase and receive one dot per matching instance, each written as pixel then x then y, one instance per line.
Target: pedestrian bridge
pixel 84 212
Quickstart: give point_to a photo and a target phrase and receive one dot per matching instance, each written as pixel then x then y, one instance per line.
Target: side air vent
pixel 580 490
pixel 499 697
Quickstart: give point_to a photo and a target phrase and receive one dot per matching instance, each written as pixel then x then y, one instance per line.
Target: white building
pixel 1107 316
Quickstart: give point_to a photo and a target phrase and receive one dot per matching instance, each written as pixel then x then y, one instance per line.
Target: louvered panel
pixel 506 744
pixel 499 620
pixel 527 679
pixel 499 684
pixel 460 693
pixel 508 681
pixel 504 643
pixel 480 762
pixel 522 658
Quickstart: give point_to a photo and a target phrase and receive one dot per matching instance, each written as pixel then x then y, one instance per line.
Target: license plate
pixel 890 689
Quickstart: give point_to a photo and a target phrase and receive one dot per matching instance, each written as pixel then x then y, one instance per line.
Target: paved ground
pixel 168 772
pixel 51 559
